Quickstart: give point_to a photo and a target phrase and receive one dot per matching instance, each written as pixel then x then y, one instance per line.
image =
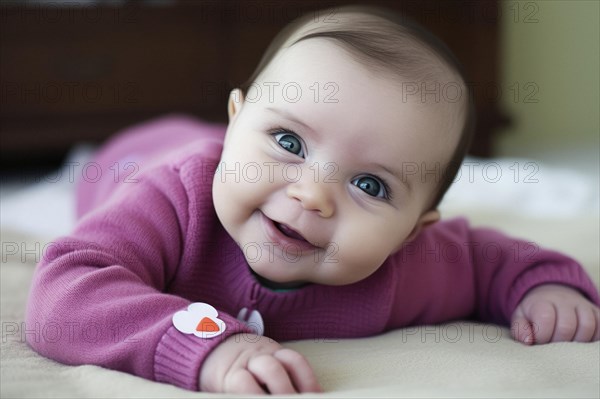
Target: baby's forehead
pixel 320 74
pixel 363 111
pixel 423 77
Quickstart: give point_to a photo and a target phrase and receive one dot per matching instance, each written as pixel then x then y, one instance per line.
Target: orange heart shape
pixel 207 325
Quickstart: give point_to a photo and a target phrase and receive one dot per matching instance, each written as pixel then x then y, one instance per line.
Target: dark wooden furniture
pixel 71 74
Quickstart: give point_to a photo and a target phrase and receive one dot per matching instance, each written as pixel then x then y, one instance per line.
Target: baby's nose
pixel 313 196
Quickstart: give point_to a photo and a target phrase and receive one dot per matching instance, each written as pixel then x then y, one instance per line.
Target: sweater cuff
pixel 573 276
pixel 179 356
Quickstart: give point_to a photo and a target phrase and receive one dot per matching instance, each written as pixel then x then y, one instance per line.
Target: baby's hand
pixel 554 313
pixel 247 363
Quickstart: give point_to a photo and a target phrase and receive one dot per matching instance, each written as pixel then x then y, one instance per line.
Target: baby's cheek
pixel 359 258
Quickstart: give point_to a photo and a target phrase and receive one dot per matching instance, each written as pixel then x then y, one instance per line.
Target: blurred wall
pixel 550 81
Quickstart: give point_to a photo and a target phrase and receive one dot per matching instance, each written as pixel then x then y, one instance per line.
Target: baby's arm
pixel 452 271
pixel 554 313
pixel 545 295
pixel 251 364
pixel 104 290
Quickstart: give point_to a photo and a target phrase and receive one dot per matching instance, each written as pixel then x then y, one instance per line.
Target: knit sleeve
pixel 452 271
pixel 100 296
pixel 506 269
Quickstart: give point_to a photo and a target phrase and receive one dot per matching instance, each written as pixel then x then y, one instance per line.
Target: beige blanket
pixel 459 359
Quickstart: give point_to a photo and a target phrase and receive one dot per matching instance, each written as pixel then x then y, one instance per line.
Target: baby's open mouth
pixel 285 235
pixel 288 231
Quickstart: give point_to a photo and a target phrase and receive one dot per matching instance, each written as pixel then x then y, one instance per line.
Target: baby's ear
pixel 425 220
pixel 236 99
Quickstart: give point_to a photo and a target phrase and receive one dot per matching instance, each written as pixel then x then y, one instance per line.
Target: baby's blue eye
pixel 290 143
pixel 371 186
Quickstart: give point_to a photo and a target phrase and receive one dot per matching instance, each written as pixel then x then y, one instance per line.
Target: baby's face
pixel 323 178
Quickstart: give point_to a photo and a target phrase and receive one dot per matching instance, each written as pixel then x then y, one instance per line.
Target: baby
pixel 313 216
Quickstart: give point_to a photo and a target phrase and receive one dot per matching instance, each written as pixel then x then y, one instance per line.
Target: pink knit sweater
pixel 149 243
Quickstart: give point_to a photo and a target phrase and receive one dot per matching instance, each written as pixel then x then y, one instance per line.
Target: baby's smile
pixel 285 236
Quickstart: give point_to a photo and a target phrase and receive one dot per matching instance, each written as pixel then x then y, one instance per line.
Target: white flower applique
pixel 199 319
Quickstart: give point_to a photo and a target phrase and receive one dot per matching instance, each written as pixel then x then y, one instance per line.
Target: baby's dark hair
pixel 380 38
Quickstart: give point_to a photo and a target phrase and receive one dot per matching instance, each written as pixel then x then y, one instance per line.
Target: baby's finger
pixel 566 324
pixel 271 373
pixel 241 381
pixel 299 369
pixel 543 319
pixel 521 329
pixel 586 324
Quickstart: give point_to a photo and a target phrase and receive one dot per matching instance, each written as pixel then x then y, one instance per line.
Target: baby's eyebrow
pixel 290 117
